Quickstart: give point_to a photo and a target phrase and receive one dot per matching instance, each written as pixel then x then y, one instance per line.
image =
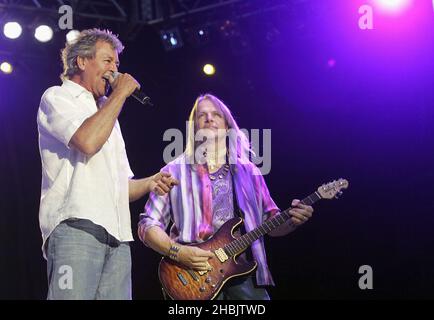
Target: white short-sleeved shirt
pixel 73 184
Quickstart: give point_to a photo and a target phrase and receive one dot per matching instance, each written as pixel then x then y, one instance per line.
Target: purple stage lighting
pixel 331 63
pixel 392 6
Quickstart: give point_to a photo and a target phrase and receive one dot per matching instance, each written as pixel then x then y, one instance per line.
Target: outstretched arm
pixel 160 183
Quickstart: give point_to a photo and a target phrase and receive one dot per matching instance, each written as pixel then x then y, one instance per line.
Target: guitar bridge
pixel 221 255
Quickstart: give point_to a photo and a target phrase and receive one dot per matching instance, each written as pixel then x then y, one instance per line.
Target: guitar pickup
pixel 182 279
pixel 221 255
pixel 193 275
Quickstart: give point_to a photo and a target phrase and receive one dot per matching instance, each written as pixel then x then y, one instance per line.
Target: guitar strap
pixel 233 170
pixel 238 212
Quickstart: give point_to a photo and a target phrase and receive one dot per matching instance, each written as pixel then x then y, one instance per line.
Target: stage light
pixel 72 35
pixel 331 63
pixel 12 30
pixel 6 67
pixel 209 69
pixel 197 36
pixel 43 33
pixel 202 36
pixel 171 39
pixel 392 6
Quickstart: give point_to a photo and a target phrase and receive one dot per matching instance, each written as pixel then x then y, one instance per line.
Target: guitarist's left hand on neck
pixel 300 214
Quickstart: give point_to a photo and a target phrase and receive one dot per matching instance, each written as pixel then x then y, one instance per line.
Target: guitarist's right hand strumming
pixel 188 256
pixel 194 258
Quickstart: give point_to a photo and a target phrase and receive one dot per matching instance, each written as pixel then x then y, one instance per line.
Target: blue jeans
pixel 242 288
pixel 84 262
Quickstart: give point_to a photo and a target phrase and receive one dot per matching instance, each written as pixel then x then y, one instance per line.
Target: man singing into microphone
pixel 86 178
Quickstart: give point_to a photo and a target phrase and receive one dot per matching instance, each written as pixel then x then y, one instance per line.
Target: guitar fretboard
pixel 242 243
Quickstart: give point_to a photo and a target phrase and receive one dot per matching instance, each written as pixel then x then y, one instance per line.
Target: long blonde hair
pixel 241 142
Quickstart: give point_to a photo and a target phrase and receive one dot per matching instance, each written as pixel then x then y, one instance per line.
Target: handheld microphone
pixel 137 94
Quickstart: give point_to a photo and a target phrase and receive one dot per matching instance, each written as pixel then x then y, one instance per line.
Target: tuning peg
pixel 338 195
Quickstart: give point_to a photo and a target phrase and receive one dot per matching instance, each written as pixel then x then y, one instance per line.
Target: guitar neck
pixel 242 243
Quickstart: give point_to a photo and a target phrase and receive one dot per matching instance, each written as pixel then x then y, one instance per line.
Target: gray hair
pixel 84 46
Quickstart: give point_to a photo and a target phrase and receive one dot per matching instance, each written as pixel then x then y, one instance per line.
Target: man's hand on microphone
pixel 123 84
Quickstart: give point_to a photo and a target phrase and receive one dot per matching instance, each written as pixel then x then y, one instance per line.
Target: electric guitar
pixel 182 283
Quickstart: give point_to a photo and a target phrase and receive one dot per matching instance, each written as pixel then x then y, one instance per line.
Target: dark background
pixel 366 117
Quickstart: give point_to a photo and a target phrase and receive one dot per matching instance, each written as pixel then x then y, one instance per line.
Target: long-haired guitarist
pixel 217 182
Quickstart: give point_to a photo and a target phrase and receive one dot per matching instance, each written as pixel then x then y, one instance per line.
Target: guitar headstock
pixel 333 189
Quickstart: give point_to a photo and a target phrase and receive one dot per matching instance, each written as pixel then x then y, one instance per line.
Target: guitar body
pixel 180 283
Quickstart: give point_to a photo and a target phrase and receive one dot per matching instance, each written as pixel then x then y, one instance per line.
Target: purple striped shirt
pixel 189 207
